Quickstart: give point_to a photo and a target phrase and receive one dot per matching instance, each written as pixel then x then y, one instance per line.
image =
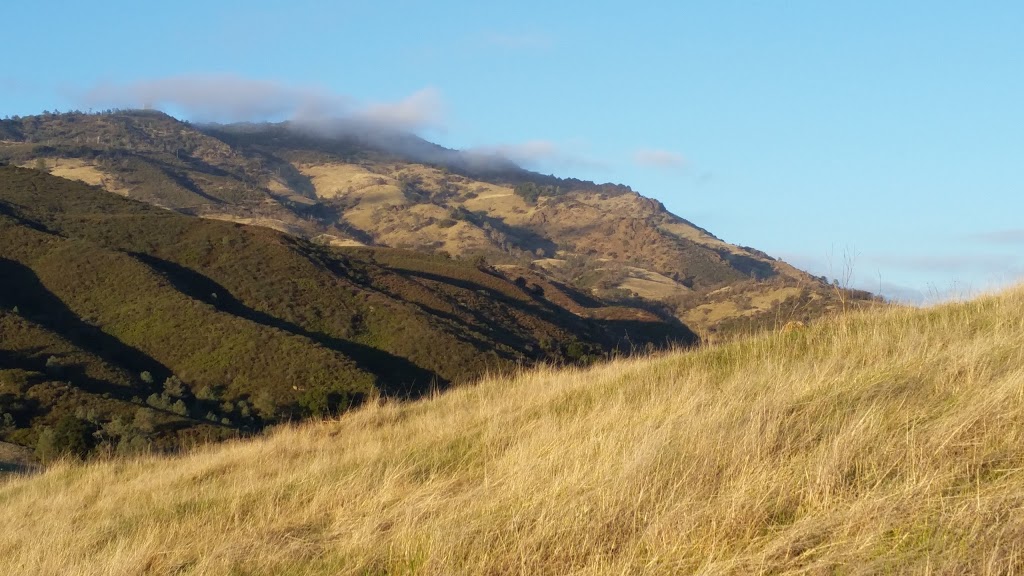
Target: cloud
pixel 233 98
pixel 422 109
pixel 530 152
pixel 662 159
pixel 1010 236
pixel 538 154
pixel 218 97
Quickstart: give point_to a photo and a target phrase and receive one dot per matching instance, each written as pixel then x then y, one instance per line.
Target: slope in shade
pixel 237 327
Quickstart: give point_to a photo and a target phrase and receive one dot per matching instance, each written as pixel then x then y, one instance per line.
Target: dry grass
pixel 889 441
pixel 75 169
pixel 334 180
pixel 265 222
pixel 705 315
pixel 501 203
pixel 651 285
pixel 78 170
pixel 694 234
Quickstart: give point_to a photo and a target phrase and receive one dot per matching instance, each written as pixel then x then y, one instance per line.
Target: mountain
pixel 355 185
pixel 124 325
pixel 886 442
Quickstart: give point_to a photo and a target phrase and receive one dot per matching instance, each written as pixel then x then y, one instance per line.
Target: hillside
pixel 125 326
pixel 887 441
pixel 349 185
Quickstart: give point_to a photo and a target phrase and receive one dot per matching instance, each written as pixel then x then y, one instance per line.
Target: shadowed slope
pixel 253 326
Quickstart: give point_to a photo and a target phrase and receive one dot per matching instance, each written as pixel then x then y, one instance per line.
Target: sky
pixel 880 143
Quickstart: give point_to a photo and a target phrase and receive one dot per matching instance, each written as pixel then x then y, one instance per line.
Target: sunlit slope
pixel 881 442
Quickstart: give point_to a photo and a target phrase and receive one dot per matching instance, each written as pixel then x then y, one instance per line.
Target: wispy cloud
pixel 539 154
pixel 233 98
pixel 420 110
pixel 224 97
pixel 1010 236
pixel 524 153
pixel 662 159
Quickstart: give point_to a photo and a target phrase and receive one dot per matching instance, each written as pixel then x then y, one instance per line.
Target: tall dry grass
pixel 888 441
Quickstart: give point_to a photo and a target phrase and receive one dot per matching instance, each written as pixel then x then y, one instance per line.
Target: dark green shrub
pixel 174 387
pixel 179 408
pixel 70 437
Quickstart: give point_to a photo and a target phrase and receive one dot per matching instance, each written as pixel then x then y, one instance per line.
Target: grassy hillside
pixel 131 325
pixel 879 442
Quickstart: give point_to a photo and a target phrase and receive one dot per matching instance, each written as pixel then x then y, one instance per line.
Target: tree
pixel 528 191
pixel 208 393
pixel 179 408
pixel 144 421
pixel 70 437
pixel 265 405
pixel 174 387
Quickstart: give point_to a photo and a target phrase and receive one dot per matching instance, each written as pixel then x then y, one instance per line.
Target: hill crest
pixel 346 187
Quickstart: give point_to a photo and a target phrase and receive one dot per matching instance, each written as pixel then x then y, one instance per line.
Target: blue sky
pixel 889 135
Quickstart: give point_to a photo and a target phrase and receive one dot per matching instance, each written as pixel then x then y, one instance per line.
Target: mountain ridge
pixel 350 186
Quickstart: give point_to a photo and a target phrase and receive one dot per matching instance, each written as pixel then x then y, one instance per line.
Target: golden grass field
pixel 88 172
pixel 888 441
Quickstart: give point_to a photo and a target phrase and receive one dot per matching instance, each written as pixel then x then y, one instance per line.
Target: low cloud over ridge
pixel 230 98
pixel 532 152
pixel 233 98
pixel 539 154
